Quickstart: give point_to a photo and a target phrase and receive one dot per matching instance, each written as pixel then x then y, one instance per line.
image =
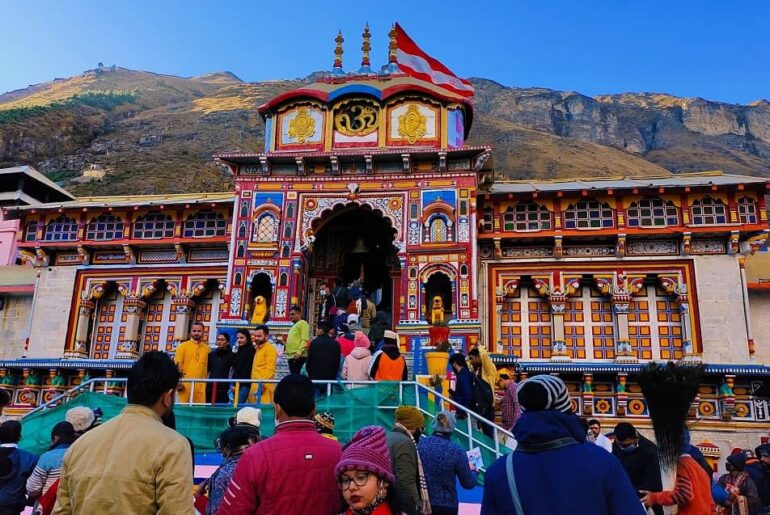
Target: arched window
pixel 290 210
pixel 708 211
pixel 238 278
pixel 463 270
pixel 105 227
pixel 242 230
pixel 286 251
pixel 154 225
pixel 283 280
pixel 287 230
pixel 241 250
pixel 244 209
pixel 589 214
pixel 525 217
pixel 205 224
pixel 652 212
pixel 488 221
pixel 747 210
pixel 266 229
pixel 61 228
pixel 439 232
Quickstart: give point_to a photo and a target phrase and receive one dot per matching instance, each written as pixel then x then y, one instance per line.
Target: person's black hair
pixel 169 419
pixel 474 352
pixel 295 394
pixel 10 431
pixel 197 323
pixel 225 335
pixel 624 431
pixel 236 436
pixel 324 326
pixel 459 359
pixel 594 421
pixel 263 328
pixel 244 332
pixel 5 397
pixel 294 307
pixel 151 376
pixel 65 431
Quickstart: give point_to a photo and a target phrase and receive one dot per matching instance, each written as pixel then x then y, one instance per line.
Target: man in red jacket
pixel 291 472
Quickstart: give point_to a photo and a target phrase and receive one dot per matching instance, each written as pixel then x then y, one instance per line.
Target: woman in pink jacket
pixel 356 365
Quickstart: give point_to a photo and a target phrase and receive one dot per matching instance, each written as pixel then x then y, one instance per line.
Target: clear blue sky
pixel 714 49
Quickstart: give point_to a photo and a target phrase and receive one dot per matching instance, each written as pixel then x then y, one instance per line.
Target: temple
pixel 365 177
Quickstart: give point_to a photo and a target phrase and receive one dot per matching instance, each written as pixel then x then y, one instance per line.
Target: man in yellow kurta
pixel 192 358
pixel 481 361
pixel 265 360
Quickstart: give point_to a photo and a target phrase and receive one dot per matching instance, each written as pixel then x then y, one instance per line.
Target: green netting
pixel 352 409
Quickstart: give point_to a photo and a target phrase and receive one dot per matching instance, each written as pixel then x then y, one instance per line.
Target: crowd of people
pixel 341 349
pixel 138 463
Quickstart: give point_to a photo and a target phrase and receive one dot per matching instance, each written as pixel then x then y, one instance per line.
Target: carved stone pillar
pixel 85 312
pixel 558 301
pixel 624 353
pixel 183 307
pixel 133 308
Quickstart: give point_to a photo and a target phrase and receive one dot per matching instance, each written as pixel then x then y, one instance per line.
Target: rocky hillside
pixel 156 133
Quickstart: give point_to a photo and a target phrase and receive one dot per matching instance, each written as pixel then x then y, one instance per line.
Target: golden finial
pixel 338 52
pixel 392 46
pixel 366 47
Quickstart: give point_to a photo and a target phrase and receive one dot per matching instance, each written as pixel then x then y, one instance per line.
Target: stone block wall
pixel 759 304
pixel 50 317
pixel 14 325
pixel 720 302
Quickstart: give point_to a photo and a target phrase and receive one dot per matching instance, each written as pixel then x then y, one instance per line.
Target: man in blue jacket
pixel 554 470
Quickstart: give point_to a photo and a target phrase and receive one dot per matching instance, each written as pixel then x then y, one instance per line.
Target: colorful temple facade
pixel 366 177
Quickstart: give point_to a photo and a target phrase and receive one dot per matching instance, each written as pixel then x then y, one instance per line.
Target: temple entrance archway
pixel 354 243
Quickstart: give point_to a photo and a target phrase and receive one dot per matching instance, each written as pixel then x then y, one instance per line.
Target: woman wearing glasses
pixel 365 476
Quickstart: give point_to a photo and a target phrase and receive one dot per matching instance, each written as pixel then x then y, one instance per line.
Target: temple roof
pixel 715 178
pixel 382 87
pixel 43 187
pixel 135 200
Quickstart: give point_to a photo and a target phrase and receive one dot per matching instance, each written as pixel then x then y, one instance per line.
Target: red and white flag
pixel 413 61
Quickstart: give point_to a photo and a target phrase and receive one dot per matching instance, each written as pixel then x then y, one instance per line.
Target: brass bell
pixel 360 247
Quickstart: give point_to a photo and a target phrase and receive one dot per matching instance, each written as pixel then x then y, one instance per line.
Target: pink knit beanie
pixel 367 451
pixel 361 340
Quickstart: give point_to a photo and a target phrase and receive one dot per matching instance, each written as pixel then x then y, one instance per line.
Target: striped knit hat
pixel 544 392
pixel 368 451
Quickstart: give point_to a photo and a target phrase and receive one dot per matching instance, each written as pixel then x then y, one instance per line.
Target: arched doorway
pixel 354 243
pixel 261 286
pixel 438 285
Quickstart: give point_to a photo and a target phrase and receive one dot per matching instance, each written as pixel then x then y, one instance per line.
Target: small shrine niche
pixel 261 295
pixel 438 299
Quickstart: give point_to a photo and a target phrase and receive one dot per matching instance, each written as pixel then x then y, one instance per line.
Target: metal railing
pixel 421 393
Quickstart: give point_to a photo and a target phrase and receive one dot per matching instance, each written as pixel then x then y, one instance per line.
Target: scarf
pixel 425 508
pixel 368 510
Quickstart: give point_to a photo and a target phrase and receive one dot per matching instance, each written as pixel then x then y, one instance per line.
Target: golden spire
pixel 366 47
pixel 392 66
pixel 392 46
pixel 338 52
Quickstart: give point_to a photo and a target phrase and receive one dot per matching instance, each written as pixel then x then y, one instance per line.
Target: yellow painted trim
pixel 444 127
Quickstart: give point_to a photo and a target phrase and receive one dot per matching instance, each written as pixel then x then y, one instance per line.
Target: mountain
pixel 154 133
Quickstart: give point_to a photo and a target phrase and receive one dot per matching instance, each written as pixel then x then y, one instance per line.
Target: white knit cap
pixel 81 418
pixel 249 415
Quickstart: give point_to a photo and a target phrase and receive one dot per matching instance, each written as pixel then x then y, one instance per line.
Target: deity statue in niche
pixel 259 312
pixel 437 310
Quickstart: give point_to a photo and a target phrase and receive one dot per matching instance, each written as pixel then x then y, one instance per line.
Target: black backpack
pixel 483 398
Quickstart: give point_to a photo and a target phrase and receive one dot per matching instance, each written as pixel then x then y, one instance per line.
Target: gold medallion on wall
pixel 302 126
pixel 411 125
